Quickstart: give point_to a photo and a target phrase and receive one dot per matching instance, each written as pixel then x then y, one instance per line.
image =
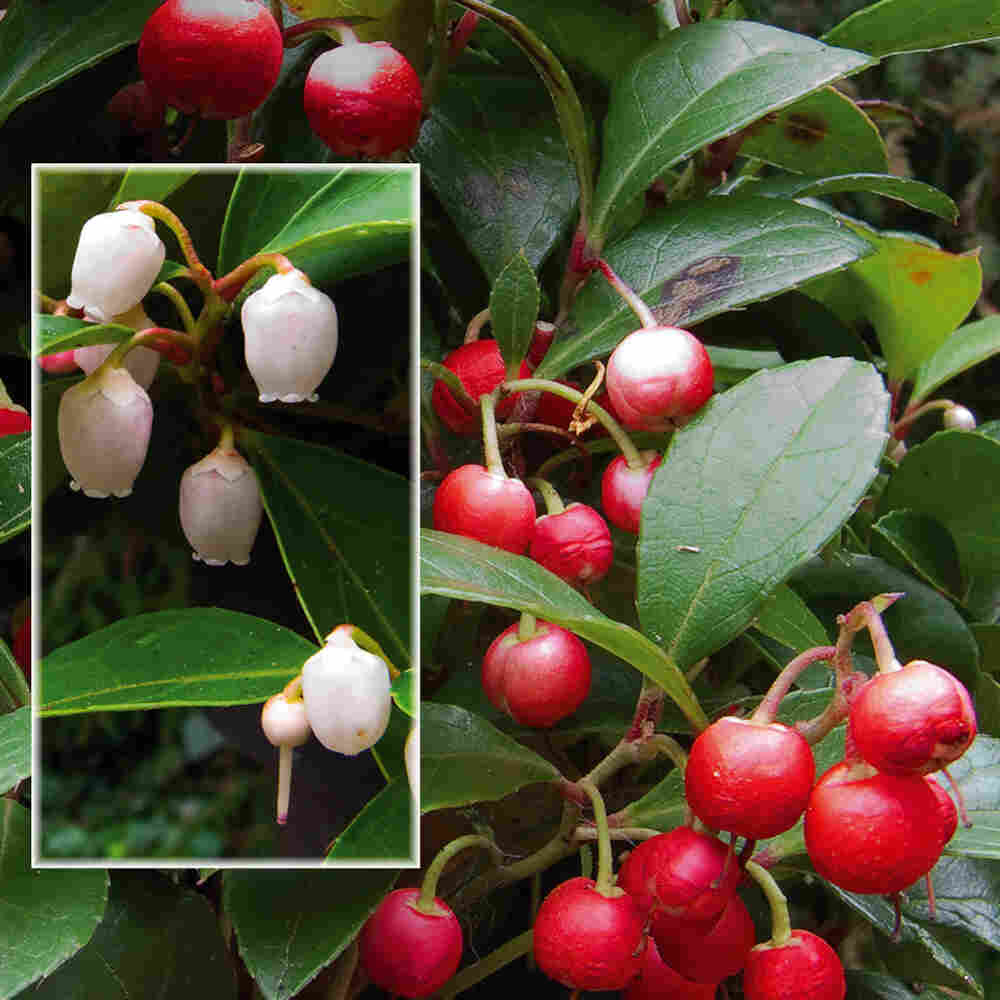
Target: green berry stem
pixel 428 889
pixel 179 303
pixel 526 626
pixel 455 385
pixel 909 415
pixel 767 710
pixel 336 28
pixel 781 925
pixel 630 296
pixel 604 881
pixel 553 502
pixel 669 747
pixel 868 614
pixel 486 966
pixel 491 442
pixel 441 60
pixel 284 783
pixel 230 285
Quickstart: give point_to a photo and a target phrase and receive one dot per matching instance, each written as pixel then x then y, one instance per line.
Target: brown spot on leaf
pixel 920 277
pixel 684 294
pixel 807 129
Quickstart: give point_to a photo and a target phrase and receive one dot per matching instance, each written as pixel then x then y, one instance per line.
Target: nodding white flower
pixel 104 427
pixel 117 260
pixel 285 725
pixel 346 692
pixel 221 507
pixel 141 362
pixel 290 330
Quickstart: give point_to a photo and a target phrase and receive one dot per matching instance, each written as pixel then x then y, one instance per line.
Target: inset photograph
pixel 223 567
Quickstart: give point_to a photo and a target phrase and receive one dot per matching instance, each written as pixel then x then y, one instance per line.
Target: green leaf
pixel 905 26
pixel 55 911
pixel 988 637
pixel 14 690
pixel 45 44
pixel 154 185
pixel 195 656
pixel 492 152
pixel 290 926
pixel 757 482
pixel 694 87
pixel 60 333
pixel 381 830
pixel 459 567
pixel 954 477
pixel 463 759
pixel 785 618
pixel 15 484
pixel 15 747
pixel 347 549
pixel 404 692
pixel 968 346
pixel 333 225
pixel 156 939
pixel 919 544
pixel 700 258
pixel 821 134
pixel 874 986
pixel 977 774
pixel 513 311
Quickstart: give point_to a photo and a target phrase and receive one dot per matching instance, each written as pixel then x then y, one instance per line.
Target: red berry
pixel 137 109
pixel 623 490
pixel 947 812
pixel 657 981
pixel 14 421
pixel 363 98
pixel 61 361
pixel 575 544
pixel 871 832
pixel 588 941
pixel 215 58
pixel 408 952
pixel 541 341
pixel 480 367
pixel 804 967
pixel 21 647
pixel 657 374
pixel 706 956
pixel 486 506
pixel 539 680
pixel 913 720
pixel 750 778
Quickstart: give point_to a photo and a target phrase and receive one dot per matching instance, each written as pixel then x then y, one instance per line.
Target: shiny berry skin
pixel 804 968
pixel 539 680
pixel 657 374
pixel 406 951
pixel 749 778
pixel 623 490
pixel 657 981
pixel 870 832
pixel 575 544
pixel 706 956
pixel 14 420
pixel 59 362
pixel 489 507
pixel 959 418
pixel 480 368
pixel 914 720
pixel 588 941
pixel 947 813
pixel 214 58
pixel 541 341
pixel 21 646
pixel 363 99
pixel 284 722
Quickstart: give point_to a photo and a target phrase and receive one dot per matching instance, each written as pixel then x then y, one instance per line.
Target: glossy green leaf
pixel 156 939
pixel 45 44
pixel 154 185
pixel 921 545
pixel 986 697
pixel 404 692
pixel 388 752
pixel 492 153
pixel 756 482
pixel 463 759
pixel 61 333
pixel 875 986
pixel 14 690
pixel 343 529
pixel 954 477
pixel 907 26
pixel 332 224
pixel 15 484
pixel 381 831
pixel 968 346
pixel 821 134
pixel 290 924
pixel 195 656
pixel 696 86
pixel 977 774
pixel 15 747
pixel 55 911
pixel 786 619
pixel 988 637
pixel 513 310
pixel 459 567
pixel 700 258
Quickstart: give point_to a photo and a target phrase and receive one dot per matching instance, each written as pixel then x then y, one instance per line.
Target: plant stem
pixel 767 710
pixel 491 443
pixel 629 294
pixel 284 782
pixel 781 925
pixel 441 58
pixel 333 28
pixel 230 285
pixel 179 302
pixel 455 385
pixel 476 325
pixel 199 273
pixel 604 881
pixel 669 747
pixel 493 962
pixel 428 888
pixel 526 626
pixel 553 502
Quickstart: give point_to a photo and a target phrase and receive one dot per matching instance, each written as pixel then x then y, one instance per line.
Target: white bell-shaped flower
pixel 104 427
pixel 141 362
pixel 221 507
pixel 410 755
pixel 290 331
pixel 117 260
pixel 285 725
pixel 346 691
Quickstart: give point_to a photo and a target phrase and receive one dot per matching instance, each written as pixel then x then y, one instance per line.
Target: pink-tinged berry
pixel 487 506
pixel 624 489
pixel 363 99
pixel 803 968
pixel 407 951
pixel 213 58
pixel 588 941
pixel 21 646
pixel 947 812
pixel 58 363
pixel 537 680
pixel 657 981
pixel 575 544
pixel 14 420
pixel 284 722
pixel 657 374
pixel 959 418
pixel 541 341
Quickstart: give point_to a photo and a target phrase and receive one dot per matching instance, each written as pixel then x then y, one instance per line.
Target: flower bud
pixel 141 362
pixel 284 722
pixel 117 260
pixel 221 507
pixel 58 363
pixel 291 337
pixel 959 418
pixel 346 691
pixel 104 427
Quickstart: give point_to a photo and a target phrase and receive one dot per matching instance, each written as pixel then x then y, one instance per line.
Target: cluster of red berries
pixel 222 58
